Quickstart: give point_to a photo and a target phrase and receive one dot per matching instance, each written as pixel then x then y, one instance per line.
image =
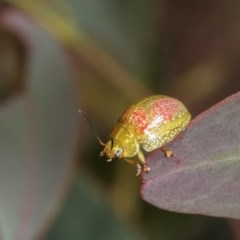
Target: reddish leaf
pixel 204 175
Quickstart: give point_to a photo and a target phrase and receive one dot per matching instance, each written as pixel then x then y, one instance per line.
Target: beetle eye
pixel 118 153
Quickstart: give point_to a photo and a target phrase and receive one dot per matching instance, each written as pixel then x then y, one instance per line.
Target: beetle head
pixel 121 144
pixel 112 149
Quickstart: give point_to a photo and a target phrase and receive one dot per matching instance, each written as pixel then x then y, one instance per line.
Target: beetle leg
pixel 141 158
pixel 138 169
pixel 167 152
pixel 135 163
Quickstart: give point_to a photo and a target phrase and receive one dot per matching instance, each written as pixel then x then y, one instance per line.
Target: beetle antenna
pixel 91 126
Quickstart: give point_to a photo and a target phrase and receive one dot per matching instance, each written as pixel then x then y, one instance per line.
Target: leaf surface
pixel 203 177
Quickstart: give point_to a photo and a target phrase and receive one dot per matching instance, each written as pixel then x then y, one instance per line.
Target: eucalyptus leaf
pixel 203 176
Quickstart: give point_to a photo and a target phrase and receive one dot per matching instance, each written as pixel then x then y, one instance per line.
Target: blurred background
pixel 101 56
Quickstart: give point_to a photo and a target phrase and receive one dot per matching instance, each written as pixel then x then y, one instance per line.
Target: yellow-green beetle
pixel 148 125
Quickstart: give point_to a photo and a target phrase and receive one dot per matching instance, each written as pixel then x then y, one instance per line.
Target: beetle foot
pixel 146 169
pixel 168 153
